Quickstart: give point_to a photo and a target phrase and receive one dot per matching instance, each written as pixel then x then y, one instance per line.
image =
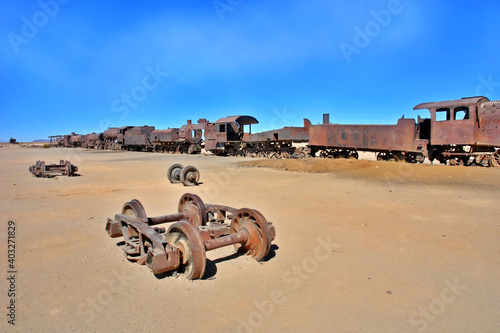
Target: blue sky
pixel 69 65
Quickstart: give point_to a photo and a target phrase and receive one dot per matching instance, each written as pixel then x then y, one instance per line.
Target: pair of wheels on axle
pixel 38 169
pixel 184 234
pixel 188 175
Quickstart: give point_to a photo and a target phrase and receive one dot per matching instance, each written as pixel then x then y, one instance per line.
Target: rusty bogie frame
pixel 42 170
pixel 195 229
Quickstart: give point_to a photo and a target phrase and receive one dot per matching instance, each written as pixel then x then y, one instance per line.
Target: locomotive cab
pixel 226 134
pixel 453 122
pixel 464 131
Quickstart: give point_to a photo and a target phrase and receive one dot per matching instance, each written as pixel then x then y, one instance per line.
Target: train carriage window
pixel 461 113
pixel 443 114
pixel 221 128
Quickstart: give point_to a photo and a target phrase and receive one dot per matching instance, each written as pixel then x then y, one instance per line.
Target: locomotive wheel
pixel 354 154
pixel 259 232
pixel 483 160
pixel 68 168
pixel 302 153
pixel 174 173
pixel 186 238
pixel 495 160
pixel 285 154
pixel 195 207
pixel 42 169
pixel 134 208
pixel 273 155
pixel 261 154
pixel 190 175
pixel 191 149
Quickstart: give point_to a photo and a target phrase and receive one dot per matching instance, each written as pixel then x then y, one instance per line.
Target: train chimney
pixel 326 118
pixel 189 122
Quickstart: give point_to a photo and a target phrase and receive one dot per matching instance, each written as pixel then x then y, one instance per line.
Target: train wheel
pixel 354 154
pixel 190 175
pixel 174 173
pixel 285 154
pixel 68 168
pixel 43 173
pixel 195 208
pixel 134 208
pixel 185 237
pixel 483 160
pixel 273 155
pixel 303 153
pixel 261 154
pixel 260 232
pixel 495 160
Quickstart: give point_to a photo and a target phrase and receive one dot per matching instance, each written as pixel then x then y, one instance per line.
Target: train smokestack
pixel 189 122
pixel 326 118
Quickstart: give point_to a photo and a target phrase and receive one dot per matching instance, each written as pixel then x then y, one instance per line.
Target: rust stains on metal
pixel 196 228
pixel 42 170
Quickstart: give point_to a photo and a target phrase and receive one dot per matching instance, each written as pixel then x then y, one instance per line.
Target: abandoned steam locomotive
pixel 464 131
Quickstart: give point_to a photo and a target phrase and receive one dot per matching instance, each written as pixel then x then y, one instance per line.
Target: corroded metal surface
pixel 196 228
pixel 399 137
pixel 187 175
pixel 138 138
pixel 464 131
pixel 42 170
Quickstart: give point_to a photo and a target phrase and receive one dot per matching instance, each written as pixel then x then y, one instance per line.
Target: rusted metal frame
pixel 248 230
pixel 148 247
pixel 114 230
pixel 40 169
pixel 220 212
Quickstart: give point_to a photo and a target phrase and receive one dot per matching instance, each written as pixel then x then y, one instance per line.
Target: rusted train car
pixel 186 139
pixel 138 138
pixel 95 141
pixel 464 131
pixel 227 136
pixel 114 137
pixel 406 140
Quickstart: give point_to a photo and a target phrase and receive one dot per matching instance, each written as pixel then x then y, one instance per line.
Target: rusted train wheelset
pixel 196 228
pixel 187 175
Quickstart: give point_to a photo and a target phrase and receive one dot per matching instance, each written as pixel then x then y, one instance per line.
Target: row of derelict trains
pixel 458 132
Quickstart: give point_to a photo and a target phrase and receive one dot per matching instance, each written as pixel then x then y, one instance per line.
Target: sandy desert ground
pixel 361 246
